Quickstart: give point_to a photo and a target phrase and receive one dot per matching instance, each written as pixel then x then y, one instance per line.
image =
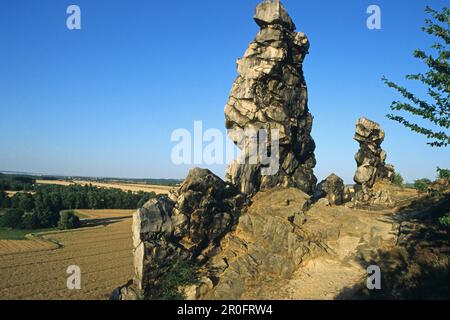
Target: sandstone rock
pixel 333 189
pixel 270 93
pixel 371 166
pixel 272 12
pixel 184 226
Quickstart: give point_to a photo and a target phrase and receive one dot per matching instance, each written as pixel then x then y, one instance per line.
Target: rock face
pixel 187 225
pixel 270 93
pixel 333 189
pixel 370 159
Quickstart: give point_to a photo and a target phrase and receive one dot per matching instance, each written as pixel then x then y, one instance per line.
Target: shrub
pixel 183 273
pixel 445 220
pixel 422 184
pixel 443 173
pixel 30 221
pixel 398 180
pixel 68 220
pixel 11 219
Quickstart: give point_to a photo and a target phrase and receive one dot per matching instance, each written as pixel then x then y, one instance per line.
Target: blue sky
pixel 104 100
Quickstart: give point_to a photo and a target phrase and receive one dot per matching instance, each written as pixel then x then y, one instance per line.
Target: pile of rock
pixel 370 159
pixel 187 225
pixel 270 93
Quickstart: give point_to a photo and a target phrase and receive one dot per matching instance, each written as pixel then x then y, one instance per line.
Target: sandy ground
pixel 103 251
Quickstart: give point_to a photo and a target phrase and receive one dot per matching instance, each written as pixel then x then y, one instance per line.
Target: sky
pixel 104 100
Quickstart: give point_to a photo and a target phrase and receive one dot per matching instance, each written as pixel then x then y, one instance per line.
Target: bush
pixel 422 184
pixel 398 180
pixel 183 273
pixel 30 221
pixel 11 219
pixel 68 220
pixel 445 220
pixel 443 173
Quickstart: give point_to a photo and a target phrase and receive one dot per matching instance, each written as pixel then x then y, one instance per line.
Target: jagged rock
pixel 272 12
pixel 267 240
pixel 371 166
pixel 184 226
pixel 333 189
pixel 270 93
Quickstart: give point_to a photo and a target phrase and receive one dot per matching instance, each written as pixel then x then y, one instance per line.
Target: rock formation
pixel 333 190
pixel 270 93
pixel 187 225
pixel 370 159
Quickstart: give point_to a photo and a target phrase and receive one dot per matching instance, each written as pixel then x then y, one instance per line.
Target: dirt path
pixel 325 277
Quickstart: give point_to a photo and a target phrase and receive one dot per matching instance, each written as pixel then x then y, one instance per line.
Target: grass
pixel 16 234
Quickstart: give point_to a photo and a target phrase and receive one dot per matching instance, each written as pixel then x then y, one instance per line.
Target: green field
pixel 16 234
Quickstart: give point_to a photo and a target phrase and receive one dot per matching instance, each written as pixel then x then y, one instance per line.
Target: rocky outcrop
pixel 270 93
pixel 333 190
pixel 370 160
pixel 188 225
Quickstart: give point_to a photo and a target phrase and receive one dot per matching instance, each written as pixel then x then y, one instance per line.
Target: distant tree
pixel 68 220
pixel 12 218
pixel 29 221
pixel 443 173
pixel 5 202
pixel 47 218
pixel 437 81
pixel 422 184
pixel 23 201
pixel 398 180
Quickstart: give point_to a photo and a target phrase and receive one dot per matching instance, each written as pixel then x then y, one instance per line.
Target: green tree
pixel 68 220
pixel 443 173
pixel 422 184
pixel 11 219
pixel 398 180
pixel 437 80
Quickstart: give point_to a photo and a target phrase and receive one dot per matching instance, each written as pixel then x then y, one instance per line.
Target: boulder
pixel 333 189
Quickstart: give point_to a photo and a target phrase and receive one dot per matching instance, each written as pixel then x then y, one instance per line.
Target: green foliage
pixel 47 218
pixel 16 182
pixel 443 173
pixel 445 220
pixel 437 81
pixel 30 221
pixel 398 180
pixel 19 234
pixel 49 200
pixel 422 184
pixel 11 219
pixel 183 273
pixel 5 202
pixel 68 220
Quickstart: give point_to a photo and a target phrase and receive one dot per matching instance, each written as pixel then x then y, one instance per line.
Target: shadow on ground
pixel 86 223
pixel 418 267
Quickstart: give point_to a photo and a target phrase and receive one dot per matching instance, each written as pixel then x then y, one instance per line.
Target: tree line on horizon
pixel 41 208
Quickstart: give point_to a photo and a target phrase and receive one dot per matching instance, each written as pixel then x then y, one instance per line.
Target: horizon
pixel 103 101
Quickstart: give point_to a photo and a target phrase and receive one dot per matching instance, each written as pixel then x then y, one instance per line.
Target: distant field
pixel 134 187
pixel 36 269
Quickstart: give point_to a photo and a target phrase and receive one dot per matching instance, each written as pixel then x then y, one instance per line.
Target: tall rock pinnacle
pixel 270 93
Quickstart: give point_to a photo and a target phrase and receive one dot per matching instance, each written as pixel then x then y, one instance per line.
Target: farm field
pixel 134 187
pixel 36 268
